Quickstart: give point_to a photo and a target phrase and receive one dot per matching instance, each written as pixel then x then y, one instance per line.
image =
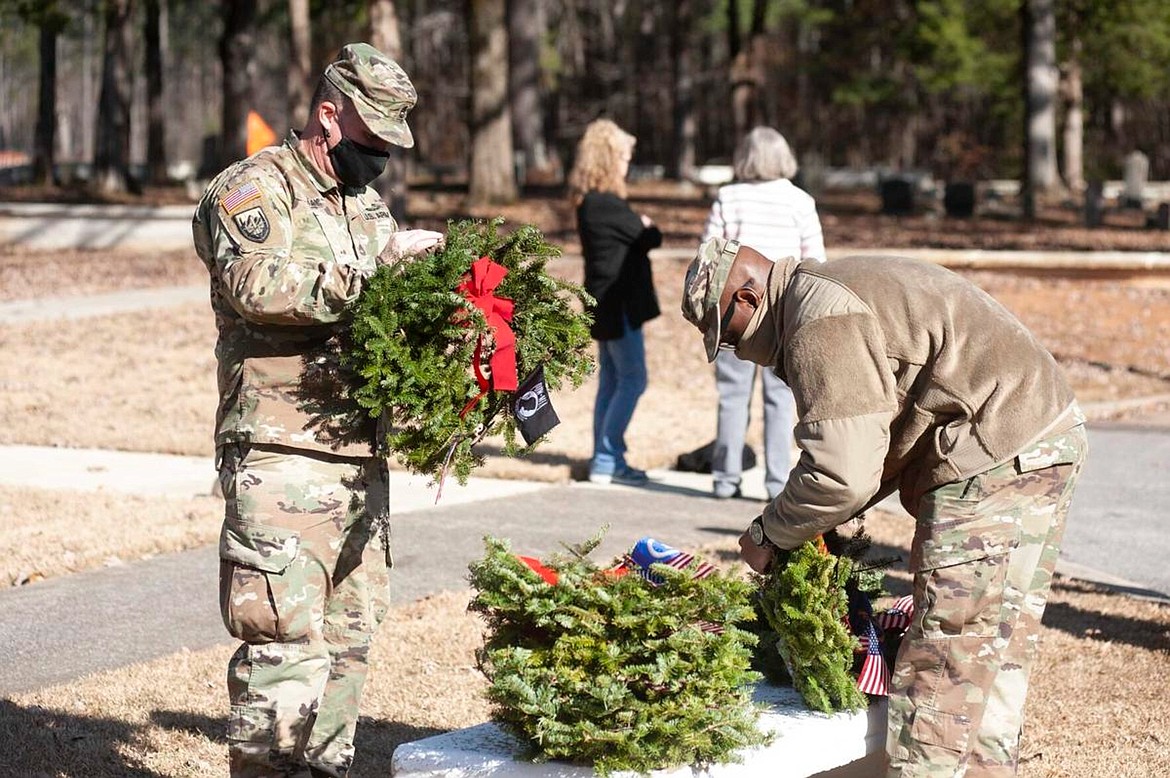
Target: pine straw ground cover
pixel 1097 706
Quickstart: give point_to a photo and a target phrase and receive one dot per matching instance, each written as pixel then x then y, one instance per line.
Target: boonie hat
pixel 703 287
pixel 380 90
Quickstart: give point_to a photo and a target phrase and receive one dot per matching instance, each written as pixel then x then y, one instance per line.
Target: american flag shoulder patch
pixel 239 197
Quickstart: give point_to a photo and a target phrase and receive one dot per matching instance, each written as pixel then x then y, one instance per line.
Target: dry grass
pixel 167 717
pixel 50 533
pixel 1096 706
pixel 140 381
pixel 26 275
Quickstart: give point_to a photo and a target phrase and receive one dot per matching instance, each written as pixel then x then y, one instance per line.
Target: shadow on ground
pixel 41 742
pixel 376 740
pixel 1102 626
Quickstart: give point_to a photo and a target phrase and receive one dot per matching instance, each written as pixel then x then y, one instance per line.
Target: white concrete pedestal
pixel 805 744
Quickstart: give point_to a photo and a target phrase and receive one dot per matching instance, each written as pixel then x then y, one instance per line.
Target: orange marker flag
pixel 259 133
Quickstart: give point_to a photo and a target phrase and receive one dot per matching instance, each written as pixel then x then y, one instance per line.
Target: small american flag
pixel 874 678
pixel 237 198
pixel 898 616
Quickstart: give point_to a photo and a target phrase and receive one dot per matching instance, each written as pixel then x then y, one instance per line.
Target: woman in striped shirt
pixel 765 210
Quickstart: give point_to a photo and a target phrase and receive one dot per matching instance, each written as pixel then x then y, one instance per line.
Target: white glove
pixel 408 243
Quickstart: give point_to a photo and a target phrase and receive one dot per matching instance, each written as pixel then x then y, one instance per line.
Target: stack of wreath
pixel 620 669
pixel 441 343
pixel 654 670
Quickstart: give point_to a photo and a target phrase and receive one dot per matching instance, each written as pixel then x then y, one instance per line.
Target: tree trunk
pixel 733 32
pixel 46 132
pixel 492 177
pixel 385 32
pixel 300 55
pixel 386 37
pixel 112 144
pixel 684 92
pixel 1040 84
pixel 747 71
pixel 1074 120
pixel 526 24
pixel 238 67
pixel 156 47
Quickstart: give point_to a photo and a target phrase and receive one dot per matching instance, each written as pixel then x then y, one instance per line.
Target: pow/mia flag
pixel 533 408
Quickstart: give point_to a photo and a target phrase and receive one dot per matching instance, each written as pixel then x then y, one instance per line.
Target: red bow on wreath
pixel 479 288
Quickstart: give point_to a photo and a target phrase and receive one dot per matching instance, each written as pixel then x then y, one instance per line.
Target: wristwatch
pixel 756 534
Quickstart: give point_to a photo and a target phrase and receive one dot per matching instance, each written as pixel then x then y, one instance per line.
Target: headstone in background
pixel 959 199
pixel 1160 220
pixel 1137 174
pixel 897 196
pixel 1094 203
pixel 811 175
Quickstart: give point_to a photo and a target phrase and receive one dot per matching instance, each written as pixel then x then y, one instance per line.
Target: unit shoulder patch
pixel 253 224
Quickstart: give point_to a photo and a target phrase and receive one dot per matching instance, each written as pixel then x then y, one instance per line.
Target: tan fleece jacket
pixel 906 376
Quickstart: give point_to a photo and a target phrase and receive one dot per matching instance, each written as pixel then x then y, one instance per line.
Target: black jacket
pixel 617 269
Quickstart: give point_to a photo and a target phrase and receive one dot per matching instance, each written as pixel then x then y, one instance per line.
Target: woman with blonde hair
pixel 615 243
pixel 765 210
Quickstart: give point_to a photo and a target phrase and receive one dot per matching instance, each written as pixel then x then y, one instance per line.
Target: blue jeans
pixel 621 379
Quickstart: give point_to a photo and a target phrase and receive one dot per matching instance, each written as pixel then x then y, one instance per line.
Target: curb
pixel 980 259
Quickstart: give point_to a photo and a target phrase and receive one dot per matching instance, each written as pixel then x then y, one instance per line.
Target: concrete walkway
pixel 63 225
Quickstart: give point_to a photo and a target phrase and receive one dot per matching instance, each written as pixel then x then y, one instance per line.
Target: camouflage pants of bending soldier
pixel 303 583
pixel 983 558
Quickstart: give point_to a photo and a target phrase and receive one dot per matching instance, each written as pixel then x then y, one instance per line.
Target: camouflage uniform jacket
pixel 288 250
pixel 905 376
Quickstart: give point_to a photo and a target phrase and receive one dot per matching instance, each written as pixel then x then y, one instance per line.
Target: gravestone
pixel 1160 220
pixel 1094 203
pixel 1137 174
pixel 959 199
pixel 897 196
pixel 812 173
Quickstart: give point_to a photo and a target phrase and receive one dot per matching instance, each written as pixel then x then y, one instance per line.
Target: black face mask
pixel 357 165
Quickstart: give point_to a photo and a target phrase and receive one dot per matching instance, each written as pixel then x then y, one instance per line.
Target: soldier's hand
pixel 758 558
pixel 408 243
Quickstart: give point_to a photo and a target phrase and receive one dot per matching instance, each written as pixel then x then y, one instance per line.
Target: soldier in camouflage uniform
pixel 908 378
pixel 288 236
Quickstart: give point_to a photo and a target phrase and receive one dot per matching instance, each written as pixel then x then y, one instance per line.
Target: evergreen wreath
pixel 609 670
pixel 413 340
pixel 803 618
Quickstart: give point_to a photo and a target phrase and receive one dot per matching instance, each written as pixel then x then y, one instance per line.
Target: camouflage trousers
pixel 303 583
pixel 983 558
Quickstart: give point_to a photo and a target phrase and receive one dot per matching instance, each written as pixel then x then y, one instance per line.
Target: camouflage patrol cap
pixel 379 89
pixel 703 287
